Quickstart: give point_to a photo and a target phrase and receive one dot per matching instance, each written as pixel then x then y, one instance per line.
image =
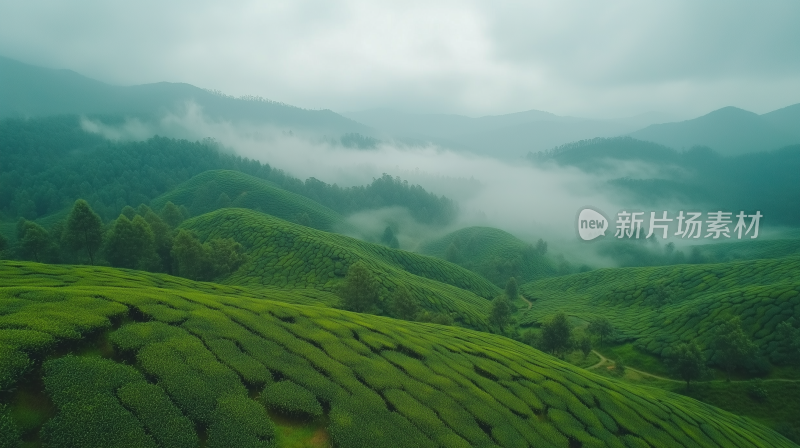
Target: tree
pixel 84 230
pixel 162 235
pixel 35 240
pixel 172 215
pixel 585 345
pixel 687 361
pixel 601 327
pixel 188 254
pixel 512 291
pixel 734 348
pixel 389 239
pixel 404 305
pixel 131 244
pixel 500 313
pixel 557 334
pixel 541 247
pixel 3 243
pixel 129 212
pixel 360 290
pixel 225 256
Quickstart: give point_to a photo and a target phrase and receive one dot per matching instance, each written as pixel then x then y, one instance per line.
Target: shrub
pixel 290 398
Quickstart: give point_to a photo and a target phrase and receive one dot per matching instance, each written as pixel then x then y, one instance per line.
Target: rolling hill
pixel 288 255
pixel 202 193
pixel 729 131
pixel 656 307
pixel 134 365
pixel 492 253
pixel 27 90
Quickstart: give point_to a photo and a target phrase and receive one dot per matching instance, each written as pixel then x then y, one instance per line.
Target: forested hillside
pixel 48 163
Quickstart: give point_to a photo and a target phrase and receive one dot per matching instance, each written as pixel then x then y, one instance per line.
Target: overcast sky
pixel 612 58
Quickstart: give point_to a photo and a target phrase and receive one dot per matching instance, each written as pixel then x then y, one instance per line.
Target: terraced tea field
pixel 658 306
pixel 192 366
pixel 493 253
pixel 200 194
pixel 288 255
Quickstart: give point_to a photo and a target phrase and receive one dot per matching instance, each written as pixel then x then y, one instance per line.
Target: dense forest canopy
pixel 48 163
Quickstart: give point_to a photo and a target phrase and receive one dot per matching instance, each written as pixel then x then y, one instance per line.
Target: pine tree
pixel 84 230
pixel 389 239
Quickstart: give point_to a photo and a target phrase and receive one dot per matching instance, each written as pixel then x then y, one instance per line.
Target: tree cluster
pixel 137 239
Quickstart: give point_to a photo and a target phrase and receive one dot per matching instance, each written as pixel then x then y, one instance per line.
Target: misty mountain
pixel 729 131
pixel 699 177
pixel 508 136
pixel 30 91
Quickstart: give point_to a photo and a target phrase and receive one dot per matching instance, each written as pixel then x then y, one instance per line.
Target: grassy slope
pixel 200 195
pixel 763 292
pixel 750 250
pixel 380 382
pixel 289 255
pixel 493 253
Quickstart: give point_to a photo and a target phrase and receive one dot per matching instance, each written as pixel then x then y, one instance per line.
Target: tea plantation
pixel 201 194
pixel 492 253
pixel 200 367
pixel 288 255
pixel 658 306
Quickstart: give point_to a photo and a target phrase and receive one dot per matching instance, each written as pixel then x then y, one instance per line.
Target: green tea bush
pixel 9 432
pixel 441 386
pixel 290 398
pixel 240 422
pixel 163 420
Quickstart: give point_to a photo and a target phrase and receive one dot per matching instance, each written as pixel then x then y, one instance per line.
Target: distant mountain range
pixel 26 90
pixel 729 131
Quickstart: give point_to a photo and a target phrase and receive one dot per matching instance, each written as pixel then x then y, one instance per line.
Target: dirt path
pixel 530 304
pixel 604 361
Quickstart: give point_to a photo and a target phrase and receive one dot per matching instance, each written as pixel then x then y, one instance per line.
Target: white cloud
pixel 613 58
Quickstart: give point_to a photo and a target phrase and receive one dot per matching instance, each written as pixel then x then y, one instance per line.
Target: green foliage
pixel 360 291
pixel 189 255
pixel 601 327
pixel 163 420
pixel 557 335
pixel 84 229
pixel 131 244
pixel 512 290
pixel 762 293
pixel 226 255
pixel 756 390
pixel 688 362
pixel 494 254
pixel 34 240
pixel 286 255
pixel 172 215
pixel 240 422
pixel 500 313
pixel 9 432
pixel 734 348
pixel 387 382
pixel 404 305
pixel 162 239
pixel 3 244
pixel 292 399
pixel 788 340
pixel 585 345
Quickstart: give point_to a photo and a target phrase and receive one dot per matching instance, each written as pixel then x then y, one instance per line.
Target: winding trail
pixel 604 361
pixel 530 304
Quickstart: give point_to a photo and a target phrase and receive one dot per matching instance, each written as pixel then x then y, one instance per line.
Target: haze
pixel 599 60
